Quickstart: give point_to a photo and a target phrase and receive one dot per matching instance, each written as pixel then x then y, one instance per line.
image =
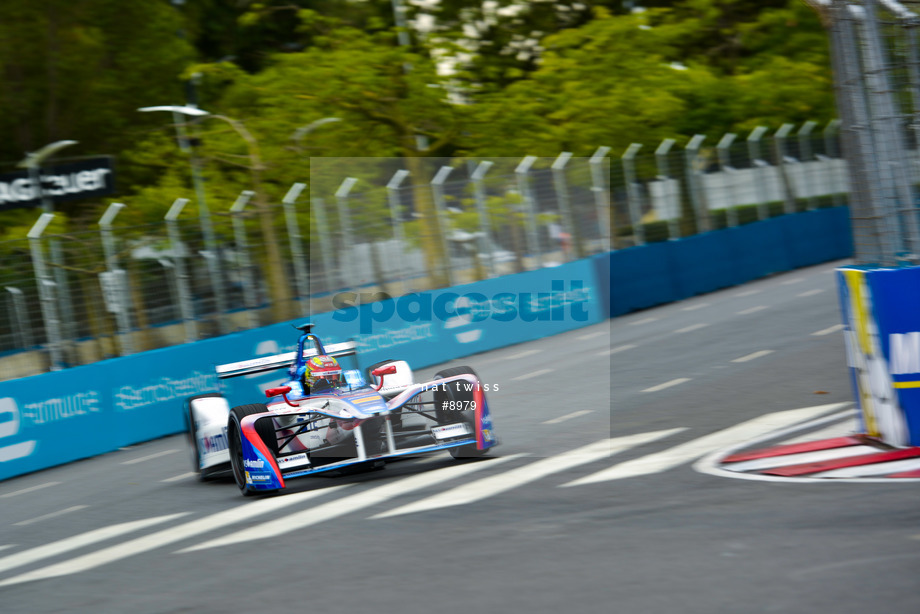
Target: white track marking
pixel 753 356
pixel 844 428
pixel 695 307
pixel 350 504
pixel 710 464
pixel 747 293
pixel 812 292
pixel 643 321
pixel 691 328
pixel 592 335
pixel 496 484
pixel 673 382
pixel 150 457
pixel 909 464
pixel 616 350
pixel 804 457
pixel 522 354
pixel 686 452
pixel 30 489
pixel 789 282
pixel 167 536
pixel 58 548
pixel 828 331
pixel 531 375
pixel 75 508
pixel 6 546
pixel 574 414
pixel 745 312
pixel 182 476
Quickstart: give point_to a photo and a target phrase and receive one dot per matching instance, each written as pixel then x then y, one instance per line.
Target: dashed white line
pixel 522 354
pixel 789 282
pixel 5 546
pixel 829 330
pixel 643 321
pixel 75 508
pixel 695 307
pixel 673 382
pixel 691 328
pixel 183 476
pixel 616 350
pixel 753 356
pixel 574 414
pixel 30 489
pixel 150 457
pixel 752 310
pixel 812 292
pixel 747 293
pixel 592 335
pixel 531 375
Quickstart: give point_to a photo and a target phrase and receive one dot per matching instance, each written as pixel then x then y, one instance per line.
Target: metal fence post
pixel 396 219
pixel 635 206
pixel 831 132
pixel 599 185
pixel 242 246
pixel 523 179
pixel 318 206
pixel 437 190
pixel 779 142
pixel 664 176
pixel 186 310
pixel 805 156
pixel 118 280
pixel 46 291
pixel 485 240
pixel 301 275
pixel 347 272
pixel 725 165
pixel 565 205
pixel 691 159
pixel 20 321
pixel 758 168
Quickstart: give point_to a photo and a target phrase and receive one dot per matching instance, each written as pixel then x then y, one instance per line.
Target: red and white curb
pixel 848 458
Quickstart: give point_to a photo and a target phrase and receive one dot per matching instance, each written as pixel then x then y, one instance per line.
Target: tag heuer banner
pixel 68 181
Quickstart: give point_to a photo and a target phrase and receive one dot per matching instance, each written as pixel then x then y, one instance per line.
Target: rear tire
pixel 264 428
pixel 456 392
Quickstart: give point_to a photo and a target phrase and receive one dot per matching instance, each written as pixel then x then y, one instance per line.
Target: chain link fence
pixel 877 78
pixel 385 226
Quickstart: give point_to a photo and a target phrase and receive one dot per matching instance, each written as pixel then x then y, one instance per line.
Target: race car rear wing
pixel 270 363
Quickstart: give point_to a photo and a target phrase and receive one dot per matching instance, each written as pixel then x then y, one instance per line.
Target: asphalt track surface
pixel 554 522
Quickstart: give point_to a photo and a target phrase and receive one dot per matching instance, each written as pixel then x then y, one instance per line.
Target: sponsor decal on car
pixel 213 443
pixel 293 461
pixel 253 464
pixel 450 430
pixel 261 477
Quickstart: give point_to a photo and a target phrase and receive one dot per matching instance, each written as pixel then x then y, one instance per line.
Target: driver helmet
pixel 322 373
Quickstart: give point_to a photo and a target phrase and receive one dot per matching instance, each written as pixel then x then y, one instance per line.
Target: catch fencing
pixel 387 227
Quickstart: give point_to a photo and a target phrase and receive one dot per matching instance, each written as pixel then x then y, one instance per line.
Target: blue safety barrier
pixel 658 273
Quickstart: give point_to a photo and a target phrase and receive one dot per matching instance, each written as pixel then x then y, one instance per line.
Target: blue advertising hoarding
pixel 882 332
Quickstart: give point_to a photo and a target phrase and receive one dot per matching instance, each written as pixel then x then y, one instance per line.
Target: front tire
pixel 456 392
pixel 264 428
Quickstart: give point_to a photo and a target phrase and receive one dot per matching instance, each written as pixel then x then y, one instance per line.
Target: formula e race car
pixel 323 417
